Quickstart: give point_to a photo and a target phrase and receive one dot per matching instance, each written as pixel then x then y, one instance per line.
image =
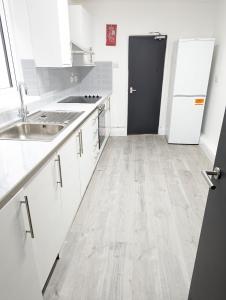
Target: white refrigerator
pixel 189 88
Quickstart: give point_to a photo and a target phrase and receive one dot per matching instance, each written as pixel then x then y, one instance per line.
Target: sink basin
pixel 29 131
pixel 40 126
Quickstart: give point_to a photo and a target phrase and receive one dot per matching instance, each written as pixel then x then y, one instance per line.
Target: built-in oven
pixel 101 125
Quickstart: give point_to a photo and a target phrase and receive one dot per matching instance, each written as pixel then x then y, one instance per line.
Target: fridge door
pixel 186 120
pixel 193 65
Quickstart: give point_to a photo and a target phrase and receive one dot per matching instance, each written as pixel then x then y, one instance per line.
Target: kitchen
pixel 98 198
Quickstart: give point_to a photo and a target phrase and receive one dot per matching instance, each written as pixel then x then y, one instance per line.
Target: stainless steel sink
pixel 54 117
pixel 40 126
pixel 29 131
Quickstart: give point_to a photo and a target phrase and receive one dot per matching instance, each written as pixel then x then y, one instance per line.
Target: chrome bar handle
pixel 81 142
pixel 31 231
pixel 58 160
pixel 216 173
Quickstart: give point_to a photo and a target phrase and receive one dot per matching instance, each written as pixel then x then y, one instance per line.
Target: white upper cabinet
pixel 50 32
pixel 80 27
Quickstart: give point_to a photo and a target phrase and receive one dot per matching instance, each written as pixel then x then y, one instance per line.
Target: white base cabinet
pixel 45 208
pixel 18 274
pixel 70 191
pixel 88 145
pixel 33 231
pixel 108 116
pixel 54 197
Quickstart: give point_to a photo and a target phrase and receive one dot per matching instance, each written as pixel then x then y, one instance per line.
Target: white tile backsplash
pixel 51 84
pixel 41 81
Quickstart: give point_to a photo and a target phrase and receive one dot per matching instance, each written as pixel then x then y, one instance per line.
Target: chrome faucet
pixel 23 112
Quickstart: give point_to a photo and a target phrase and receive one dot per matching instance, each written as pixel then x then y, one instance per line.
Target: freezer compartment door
pixel 186 120
pixel 193 66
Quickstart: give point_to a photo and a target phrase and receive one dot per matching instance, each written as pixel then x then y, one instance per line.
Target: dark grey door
pixel 209 275
pixel 146 68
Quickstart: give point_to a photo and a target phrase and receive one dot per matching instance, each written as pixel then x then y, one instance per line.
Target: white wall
pixel 217 90
pixel 177 19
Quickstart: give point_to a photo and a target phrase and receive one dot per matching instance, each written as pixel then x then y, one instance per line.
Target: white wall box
pixel 18 275
pixel 50 32
pixel 80 27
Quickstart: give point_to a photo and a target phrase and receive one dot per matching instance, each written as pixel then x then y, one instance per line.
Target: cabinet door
pixel 18 274
pixel 45 208
pixel 96 150
pixel 70 189
pixel 108 116
pixel 64 33
pixel 50 32
pixel 80 26
pixel 87 159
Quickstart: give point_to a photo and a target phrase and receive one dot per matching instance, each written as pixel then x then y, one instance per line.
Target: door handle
pixel 216 173
pixel 131 90
pixel 31 231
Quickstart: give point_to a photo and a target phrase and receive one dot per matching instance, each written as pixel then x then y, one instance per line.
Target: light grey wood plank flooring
pixel 136 233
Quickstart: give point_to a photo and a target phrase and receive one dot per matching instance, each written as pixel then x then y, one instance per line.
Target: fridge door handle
pixel 189 96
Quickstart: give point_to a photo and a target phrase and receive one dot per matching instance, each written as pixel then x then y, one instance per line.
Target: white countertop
pixel 19 160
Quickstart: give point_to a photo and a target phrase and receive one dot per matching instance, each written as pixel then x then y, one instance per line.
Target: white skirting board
pixel 122 131
pixel 209 150
pixel 162 131
pixel 118 131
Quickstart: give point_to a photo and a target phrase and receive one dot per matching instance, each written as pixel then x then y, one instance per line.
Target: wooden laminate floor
pixel 136 233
